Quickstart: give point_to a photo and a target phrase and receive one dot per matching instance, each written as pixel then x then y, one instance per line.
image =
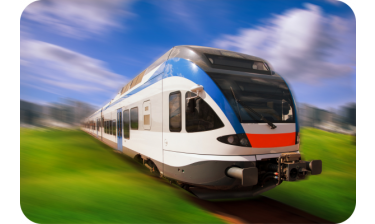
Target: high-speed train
pixel 219 123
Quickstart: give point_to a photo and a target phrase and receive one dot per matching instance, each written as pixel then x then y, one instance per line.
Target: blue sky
pixel 87 50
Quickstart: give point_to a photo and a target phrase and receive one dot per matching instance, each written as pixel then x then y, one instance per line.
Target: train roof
pixel 185 50
pixel 195 54
pixel 199 56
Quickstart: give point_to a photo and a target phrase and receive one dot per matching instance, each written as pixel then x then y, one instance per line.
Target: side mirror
pixel 195 89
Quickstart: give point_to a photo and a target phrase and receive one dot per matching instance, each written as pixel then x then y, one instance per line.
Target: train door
pixel 119 129
pixel 172 120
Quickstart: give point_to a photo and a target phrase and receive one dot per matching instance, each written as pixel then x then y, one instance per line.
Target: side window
pixel 110 127
pixel 175 112
pixel 134 118
pixel 113 127
pixel 147 115
pixel 126 124
pixel 200 116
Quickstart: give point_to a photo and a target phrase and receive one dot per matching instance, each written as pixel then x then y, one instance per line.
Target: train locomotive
pixel 219 123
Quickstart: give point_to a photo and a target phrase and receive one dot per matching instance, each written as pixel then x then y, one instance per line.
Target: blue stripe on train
pixel 183 68
pixel 186 69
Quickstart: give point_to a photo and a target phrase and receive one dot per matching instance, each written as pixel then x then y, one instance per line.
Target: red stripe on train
pixel 272 140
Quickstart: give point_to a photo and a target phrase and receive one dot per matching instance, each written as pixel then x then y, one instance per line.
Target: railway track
pixel 259 209
pixel 256 210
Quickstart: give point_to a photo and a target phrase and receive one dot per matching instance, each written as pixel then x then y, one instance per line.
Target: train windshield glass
pixel 254 98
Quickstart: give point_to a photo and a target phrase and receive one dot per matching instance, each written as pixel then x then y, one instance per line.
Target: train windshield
pixel 257 99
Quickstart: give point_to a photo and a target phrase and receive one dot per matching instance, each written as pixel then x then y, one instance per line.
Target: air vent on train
pixel 238 64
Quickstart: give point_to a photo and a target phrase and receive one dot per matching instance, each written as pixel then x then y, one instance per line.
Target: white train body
pixel 189 140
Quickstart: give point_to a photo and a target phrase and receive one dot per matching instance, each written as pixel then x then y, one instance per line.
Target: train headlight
pixel 244 142
pixel 239 140
pixel 230 139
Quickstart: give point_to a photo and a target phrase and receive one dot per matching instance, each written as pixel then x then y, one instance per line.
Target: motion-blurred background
pixel 77 54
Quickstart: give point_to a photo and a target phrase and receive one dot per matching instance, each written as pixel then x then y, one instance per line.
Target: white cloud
pixel 78 18
pixel 56 69
pixel 301 44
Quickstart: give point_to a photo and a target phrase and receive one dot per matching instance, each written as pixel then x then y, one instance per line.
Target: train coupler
pixel 290 167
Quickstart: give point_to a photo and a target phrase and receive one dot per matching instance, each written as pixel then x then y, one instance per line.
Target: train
pixel 219 123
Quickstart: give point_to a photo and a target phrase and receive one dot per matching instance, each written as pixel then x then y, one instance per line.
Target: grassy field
pixel 332 194
pixel 70 177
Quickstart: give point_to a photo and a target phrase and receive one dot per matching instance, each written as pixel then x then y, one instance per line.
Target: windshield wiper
pixel 252 110
pixel 262 118
pixel 238 108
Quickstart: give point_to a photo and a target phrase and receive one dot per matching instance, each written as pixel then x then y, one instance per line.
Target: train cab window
pixel 126 124
pixel 134 118
pixel 199 115
pixel 147 115
pixel 113 127
pixel 175 112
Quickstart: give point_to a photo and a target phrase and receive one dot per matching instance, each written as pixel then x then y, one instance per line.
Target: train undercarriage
pixel 266 175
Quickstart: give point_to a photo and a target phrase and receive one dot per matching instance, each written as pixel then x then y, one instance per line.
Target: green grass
pixel 70 177
pixel 332 194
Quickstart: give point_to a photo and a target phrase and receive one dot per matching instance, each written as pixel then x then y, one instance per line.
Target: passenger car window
pixel 175 112
pixel 200 116
pixel 113 127
pixel 134 118
pixel 126 124
pixel 110 127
